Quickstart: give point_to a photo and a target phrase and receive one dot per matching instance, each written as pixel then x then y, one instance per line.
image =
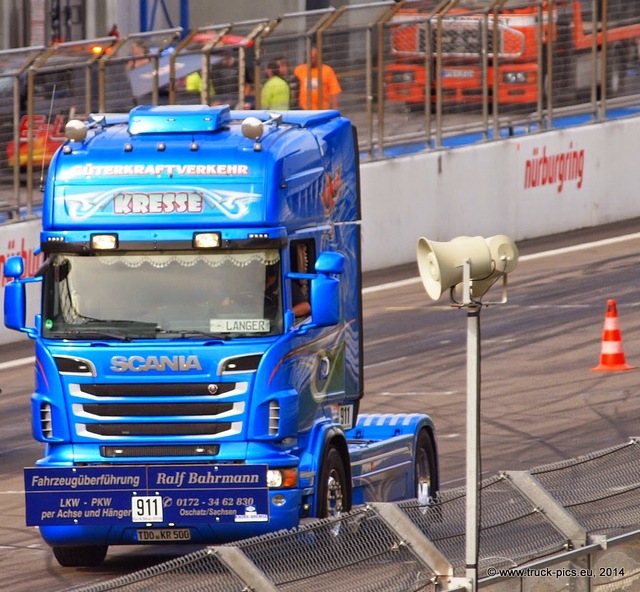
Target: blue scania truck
pixel 198 347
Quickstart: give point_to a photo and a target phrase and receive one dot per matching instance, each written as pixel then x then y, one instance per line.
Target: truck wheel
pixel 426 472
pixel 86 556
pixel 333 490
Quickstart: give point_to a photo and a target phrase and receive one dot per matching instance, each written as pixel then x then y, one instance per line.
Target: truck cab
pixel 199 345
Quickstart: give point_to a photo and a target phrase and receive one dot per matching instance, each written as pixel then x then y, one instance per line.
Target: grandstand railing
pixel 406 70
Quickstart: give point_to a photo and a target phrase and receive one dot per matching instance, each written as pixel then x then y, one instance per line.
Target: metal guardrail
pixel 571 525
pixel 414 72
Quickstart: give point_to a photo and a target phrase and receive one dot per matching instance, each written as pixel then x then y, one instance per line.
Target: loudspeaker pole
pixel 473 428
pixel 463 261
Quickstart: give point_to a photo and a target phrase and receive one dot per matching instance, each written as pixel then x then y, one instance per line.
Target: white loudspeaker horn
pixel 504 255
pixel 441 265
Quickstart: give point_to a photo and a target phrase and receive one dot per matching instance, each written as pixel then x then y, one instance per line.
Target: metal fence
pixel 414 75
pixel 572 525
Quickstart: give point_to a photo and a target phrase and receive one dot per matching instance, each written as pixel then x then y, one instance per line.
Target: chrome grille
pixel 157 429
pixel 274 417
pixel 159 451
pixel 173 389
pixel 45 420
pixel 155 409
pixel 158 410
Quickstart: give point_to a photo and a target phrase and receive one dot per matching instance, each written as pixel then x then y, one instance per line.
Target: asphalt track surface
pixel 540 401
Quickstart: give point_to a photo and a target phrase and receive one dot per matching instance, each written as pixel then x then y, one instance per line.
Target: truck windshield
pixel 162 294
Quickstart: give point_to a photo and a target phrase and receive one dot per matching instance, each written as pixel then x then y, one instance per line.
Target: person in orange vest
pixel 324 76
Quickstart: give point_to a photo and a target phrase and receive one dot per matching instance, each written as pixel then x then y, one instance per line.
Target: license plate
pixel 154 535
pixel 146 508
pixel 458 73
pixel 345 416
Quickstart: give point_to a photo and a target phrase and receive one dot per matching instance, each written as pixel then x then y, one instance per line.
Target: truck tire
pixel 333 490
pixel 85 556
pixel 426 469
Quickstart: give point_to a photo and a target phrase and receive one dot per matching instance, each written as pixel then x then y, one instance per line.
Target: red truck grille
pixel 459 37
pixel 464 38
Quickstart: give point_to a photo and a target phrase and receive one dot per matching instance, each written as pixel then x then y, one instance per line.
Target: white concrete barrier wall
pixel 524 187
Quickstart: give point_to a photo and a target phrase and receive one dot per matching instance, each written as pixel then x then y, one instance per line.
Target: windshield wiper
pixel 106 329
pixel 119 323
pixel 89 334
pixel 189 333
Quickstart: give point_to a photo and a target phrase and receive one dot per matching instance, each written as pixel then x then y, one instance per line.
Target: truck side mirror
pixel 325 290
pixel 330 262
pixel 15 297
pixel 325 301
pixel 13 267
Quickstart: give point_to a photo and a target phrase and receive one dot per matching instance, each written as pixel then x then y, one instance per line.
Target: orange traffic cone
pixel 611 355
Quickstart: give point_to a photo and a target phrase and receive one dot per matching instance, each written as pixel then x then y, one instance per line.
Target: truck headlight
pixel 403 77
pixel 282 478
pixel 514 77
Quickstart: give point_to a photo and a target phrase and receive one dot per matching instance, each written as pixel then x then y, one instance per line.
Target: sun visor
pixel 166 119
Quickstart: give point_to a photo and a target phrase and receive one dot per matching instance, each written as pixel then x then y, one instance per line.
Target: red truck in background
pixel 60 90
pixel 516 43
pixel 47 137
pixel 58 93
